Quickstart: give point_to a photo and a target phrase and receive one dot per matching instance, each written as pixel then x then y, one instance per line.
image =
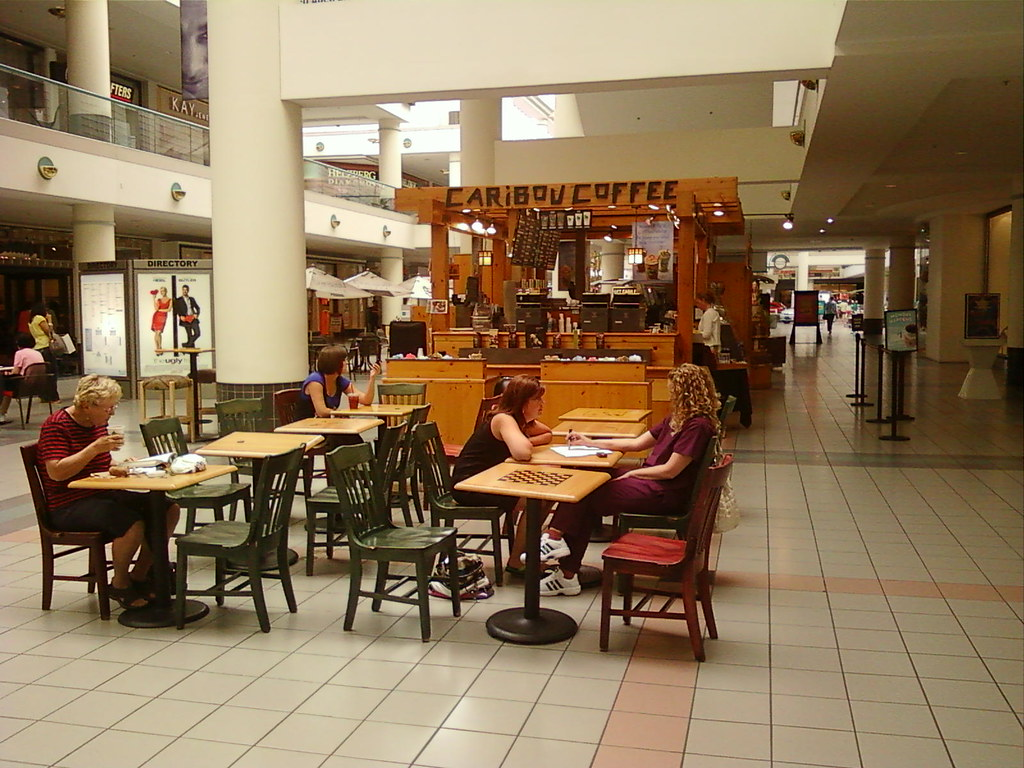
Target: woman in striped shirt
pixel 74 442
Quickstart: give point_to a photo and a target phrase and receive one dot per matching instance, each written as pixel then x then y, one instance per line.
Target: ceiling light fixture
pixel 463 226
pixel 491 230
pixel 830 220
pixel 719 212
pixel 608 236
pixel 788 223
pixel 478 227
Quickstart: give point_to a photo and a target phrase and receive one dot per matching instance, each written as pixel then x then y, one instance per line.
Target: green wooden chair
pixel 402 393
pixel 325 527
pixel 166 436
pixel 407 478
pixel 433 466
pixel 243 414
pixel 678 522
pixel 240 548
pixel 372 536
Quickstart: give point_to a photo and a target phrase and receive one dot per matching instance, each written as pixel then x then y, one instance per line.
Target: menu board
pixel 104 330
pixel 526 240
pixel 160 323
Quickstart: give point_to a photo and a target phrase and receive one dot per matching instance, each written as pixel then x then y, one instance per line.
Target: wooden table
pixel 330 426
pixel 375 410
pixel 600 428
pixel 606 414
pixel 258 446
pixel 543 455
pixel 159 612
pixel 531 624
pixel 193 373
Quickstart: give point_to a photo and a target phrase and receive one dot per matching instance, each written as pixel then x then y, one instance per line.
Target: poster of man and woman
pixel 173 313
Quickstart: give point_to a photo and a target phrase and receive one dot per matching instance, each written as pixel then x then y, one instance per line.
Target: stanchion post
pixel 879 419
pixel 895 386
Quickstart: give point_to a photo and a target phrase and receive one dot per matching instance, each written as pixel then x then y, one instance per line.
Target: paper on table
pixel 574 450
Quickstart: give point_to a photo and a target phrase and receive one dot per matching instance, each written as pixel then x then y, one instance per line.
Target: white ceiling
pixel 921 115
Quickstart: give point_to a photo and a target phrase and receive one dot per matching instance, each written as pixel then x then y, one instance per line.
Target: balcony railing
pixel 36 100
pixel 29 98
pixel 337 182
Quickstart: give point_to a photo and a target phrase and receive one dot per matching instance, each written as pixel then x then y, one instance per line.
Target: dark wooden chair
pixel 69 542
pixel 240 549
pixel 36 382
pixel 372 536
pixel 286 404
pixel 452 451
pixel 444 510
pixel 166 436
pixel 242 414
pixel 682 562
pixel 325 527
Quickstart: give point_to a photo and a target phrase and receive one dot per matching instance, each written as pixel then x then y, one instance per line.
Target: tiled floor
pixel 869 608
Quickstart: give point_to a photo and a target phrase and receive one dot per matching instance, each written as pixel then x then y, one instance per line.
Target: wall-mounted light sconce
pixel 386 231
pixel 797 137
pixel 484 258
pixel 177 193
pixel 635 255
pixel 335 221
pixel 46 168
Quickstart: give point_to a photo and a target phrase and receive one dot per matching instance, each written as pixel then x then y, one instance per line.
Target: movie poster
pixel 174 313
pixel 981 315
pixel 104 327
pixel 805 307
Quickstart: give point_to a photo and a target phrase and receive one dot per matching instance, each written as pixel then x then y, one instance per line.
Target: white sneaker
pixel 550 549
pixel 555 583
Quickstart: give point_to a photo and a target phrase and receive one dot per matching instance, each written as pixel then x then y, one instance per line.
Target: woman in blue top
pixel 323 389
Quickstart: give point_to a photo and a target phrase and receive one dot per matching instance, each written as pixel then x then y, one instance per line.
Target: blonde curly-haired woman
pixel 655 488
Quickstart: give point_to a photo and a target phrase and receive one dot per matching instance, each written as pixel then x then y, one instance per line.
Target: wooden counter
pixel 454 391
pixel 662 345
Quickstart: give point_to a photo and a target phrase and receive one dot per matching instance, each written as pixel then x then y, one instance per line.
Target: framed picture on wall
pixel 438 307
pixel 981 315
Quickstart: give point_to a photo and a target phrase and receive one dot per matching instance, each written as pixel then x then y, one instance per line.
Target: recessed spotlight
pixel 890 186
pixel 719 213
pixel 830 220
pixel 821 231
pixel 652 206
pixel 788 223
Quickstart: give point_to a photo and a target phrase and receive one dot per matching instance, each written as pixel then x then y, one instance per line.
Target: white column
pixel 803 271
pixel 88 43
pixel 613 256
pixel 51 93
pixel 955 267
pixel 391 270
pixel 92 228
pixel 479 128
pixel 257 202
pixel 567 123
pixel 874 290
pixel 902 272
pixel 389 161
pixel 1012 307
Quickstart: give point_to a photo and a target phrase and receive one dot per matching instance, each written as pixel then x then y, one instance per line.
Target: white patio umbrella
pixel 328 287
pixel 373 284
pixel 417 287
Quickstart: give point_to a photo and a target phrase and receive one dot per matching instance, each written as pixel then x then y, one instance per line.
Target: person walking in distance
pixel 831 308
pixel 186 308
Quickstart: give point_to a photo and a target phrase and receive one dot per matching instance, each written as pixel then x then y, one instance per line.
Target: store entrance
pixel 20 288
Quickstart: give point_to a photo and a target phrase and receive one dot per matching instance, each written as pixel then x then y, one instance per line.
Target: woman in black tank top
pixel 510 431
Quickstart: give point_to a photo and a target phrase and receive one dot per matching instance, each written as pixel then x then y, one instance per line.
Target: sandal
pixel 127 597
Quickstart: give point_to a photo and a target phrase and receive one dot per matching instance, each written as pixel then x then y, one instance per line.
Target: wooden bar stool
pixel 169 387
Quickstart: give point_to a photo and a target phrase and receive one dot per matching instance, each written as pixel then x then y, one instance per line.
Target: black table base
pixel 549 626
pixel 154 616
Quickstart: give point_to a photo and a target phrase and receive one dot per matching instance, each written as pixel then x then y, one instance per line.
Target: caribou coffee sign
pixel 562 195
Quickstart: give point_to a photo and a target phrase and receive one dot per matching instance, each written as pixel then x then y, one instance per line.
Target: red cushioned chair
pixel 677 561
